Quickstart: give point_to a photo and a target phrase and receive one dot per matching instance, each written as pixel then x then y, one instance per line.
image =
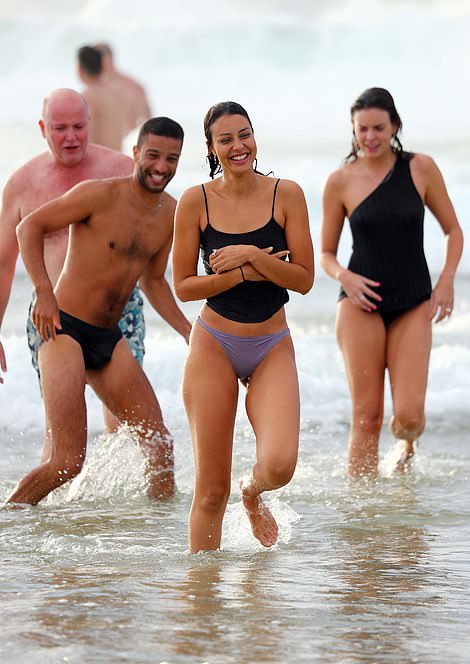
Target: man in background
pixel 110 106
pixel 140 107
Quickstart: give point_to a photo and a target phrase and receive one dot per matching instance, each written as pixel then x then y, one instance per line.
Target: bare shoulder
pixel 107 162
pixel 24 177
pixel 193 194
pixel 423 164
pixel 169 204
pixel 289 188
pixel 338 179
pixel 104 191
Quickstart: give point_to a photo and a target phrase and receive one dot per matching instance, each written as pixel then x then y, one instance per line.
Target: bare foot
pixel 407 451
pixel 262 522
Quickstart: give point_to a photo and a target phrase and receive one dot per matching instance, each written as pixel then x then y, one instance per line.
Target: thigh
pixel 362 340
pixel 210 393
pixel 408 349
pixel 273 404
pixel 123 387
pixel 63 387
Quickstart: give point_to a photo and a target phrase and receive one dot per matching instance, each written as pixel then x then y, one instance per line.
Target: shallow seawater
pixel 365 571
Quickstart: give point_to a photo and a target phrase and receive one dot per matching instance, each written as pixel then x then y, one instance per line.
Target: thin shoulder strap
pixel 205 201
pixel 274 197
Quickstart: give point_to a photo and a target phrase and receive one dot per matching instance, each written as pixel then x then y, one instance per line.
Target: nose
pixel 237 143
pixel 70 134
pixel 159 165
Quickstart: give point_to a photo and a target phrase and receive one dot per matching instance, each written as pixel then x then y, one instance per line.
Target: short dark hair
pixel 90 59
pixel 214 113
pixel 161 126
pixel 382 99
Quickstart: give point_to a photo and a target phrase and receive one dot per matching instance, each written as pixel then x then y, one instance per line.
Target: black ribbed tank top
pixel 249 301
pixel 387 233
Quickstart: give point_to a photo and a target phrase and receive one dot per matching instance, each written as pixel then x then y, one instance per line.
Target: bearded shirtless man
pixel 120 231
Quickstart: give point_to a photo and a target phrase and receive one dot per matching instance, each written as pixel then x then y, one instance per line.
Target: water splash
pixel 236 532
pixel 114 467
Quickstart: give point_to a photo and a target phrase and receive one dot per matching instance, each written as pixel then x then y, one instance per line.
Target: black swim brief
pixel 97 343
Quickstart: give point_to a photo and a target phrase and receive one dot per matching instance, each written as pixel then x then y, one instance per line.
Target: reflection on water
pixel 229 609
pixel 385 574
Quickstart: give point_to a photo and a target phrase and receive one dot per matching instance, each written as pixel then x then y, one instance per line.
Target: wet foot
pixel 262 522
pixel 406 450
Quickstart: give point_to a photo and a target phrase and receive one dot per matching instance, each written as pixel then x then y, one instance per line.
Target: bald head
pixel 63 98
pixel 64 125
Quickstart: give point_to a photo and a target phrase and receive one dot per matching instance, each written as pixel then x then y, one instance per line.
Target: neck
pixel 148 199
pixel 379 163
pixel 242 183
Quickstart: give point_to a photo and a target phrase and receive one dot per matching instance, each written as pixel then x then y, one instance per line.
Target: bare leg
pixel 126 391
pixel 273 406
pixel 63 385
pixel 210 392
pixel 408 351
pixel 111 422
pixel 362 339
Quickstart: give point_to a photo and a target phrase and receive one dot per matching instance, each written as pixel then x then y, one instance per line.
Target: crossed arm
pixel 257 263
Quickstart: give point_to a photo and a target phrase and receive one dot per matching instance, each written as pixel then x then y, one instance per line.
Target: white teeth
pixel 239 157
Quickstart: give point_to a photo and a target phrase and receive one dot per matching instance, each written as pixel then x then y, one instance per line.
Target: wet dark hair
pixel 90 59
pixel 161 126
pixel 382 99
pixel 214 113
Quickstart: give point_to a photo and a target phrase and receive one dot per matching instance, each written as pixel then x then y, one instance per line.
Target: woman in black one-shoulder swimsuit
pixel 386 302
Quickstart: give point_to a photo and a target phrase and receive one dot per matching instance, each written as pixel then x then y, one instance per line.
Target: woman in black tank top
pixel 386 302
pixel 245 225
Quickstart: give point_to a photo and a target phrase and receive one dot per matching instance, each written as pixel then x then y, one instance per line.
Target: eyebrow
pixel 229 133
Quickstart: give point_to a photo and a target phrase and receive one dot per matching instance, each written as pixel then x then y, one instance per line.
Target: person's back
pixel 110 106
pixel 139 105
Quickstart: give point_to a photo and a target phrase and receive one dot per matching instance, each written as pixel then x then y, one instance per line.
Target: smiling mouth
pixel 239 157
pixel 156 179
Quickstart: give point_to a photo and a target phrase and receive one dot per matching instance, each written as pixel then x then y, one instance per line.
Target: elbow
pixel 181 293
pixel 322 259
pixel 307 283
pixel 307 287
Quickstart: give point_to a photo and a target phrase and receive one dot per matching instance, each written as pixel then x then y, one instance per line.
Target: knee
pixel 408 423
pixel 278 472
pixel 368 419
pixel 214 497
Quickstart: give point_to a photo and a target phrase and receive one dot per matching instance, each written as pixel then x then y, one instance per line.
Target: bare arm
pixel 188 285
pixel 298 273
pixel 9 219
pixel 356 286
pixel 72 207
pixel 158 291
pixel 437 200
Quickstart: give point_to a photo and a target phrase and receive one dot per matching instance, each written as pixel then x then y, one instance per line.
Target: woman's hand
pixel 358 290
pixel 237 255
pixel 442 299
